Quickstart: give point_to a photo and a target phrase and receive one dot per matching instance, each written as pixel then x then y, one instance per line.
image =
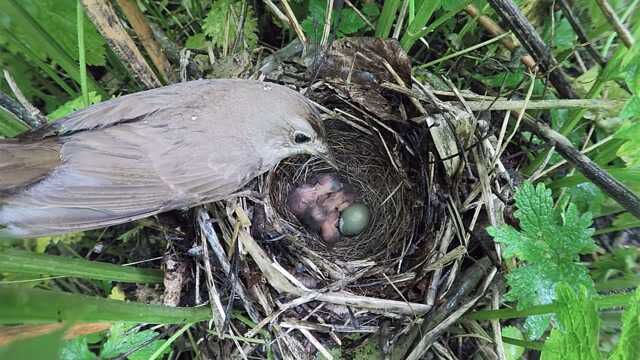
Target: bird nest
pixel 373 161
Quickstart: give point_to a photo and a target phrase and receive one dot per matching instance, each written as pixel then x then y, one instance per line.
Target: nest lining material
pixel 372 164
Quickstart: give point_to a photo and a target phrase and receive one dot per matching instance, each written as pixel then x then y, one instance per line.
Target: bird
pixel 324 222
pixel 149 152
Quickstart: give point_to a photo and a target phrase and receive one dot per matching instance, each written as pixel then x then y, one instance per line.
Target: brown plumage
pixel 149 152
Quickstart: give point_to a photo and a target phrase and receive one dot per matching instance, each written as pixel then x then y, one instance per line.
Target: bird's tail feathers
pixel 22 164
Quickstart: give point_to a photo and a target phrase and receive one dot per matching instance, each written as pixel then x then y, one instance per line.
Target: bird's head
pixel 302 132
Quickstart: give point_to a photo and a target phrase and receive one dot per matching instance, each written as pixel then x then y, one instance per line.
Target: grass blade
pixel 387 17
pixel 24 262
pixel 23 305
pixel 81 54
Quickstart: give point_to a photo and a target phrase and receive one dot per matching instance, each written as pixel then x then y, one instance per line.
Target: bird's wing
pixel 127 108
pixel 127 172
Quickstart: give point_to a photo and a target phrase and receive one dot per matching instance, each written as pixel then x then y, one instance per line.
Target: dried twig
pixel 531 41
pixel 494 29
pixel 103 15
pixel 582 34
pixel 24 111
pixel 610 14
pixel 607 183
pixel 145 34
pixel 293 22
pixel 207 230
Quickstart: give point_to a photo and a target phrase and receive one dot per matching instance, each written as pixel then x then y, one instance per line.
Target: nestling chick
pixel 301 198
pixel 318 206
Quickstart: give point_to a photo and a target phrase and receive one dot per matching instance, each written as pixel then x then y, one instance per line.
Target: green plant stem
pixel 535 345
pixel 81 54
pixel 387 17
pixel 440 20
pixel 25 262
pixel 24 305
pixel 170 341
pixel 630 281
pixel 411 35
pixel 464 51
pixel 625 16
pixel 602 302
pixel 606 74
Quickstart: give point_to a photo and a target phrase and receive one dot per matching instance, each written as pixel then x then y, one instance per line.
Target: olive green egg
pixel 354 219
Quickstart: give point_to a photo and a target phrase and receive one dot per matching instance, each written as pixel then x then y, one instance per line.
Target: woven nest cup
pixel 371 160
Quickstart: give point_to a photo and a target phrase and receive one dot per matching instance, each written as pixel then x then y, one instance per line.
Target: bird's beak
pixel 325 154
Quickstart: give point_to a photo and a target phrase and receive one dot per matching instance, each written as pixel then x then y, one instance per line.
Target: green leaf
pixel 196 41
pixel 221 20
pixel 563 37
pixel 622 261
pixel 77 349
pixel 588 197
pixel 23 305
pixel 577 334
pixel 631 108
pixel 124 338
pixel 548 245
pixel 74 105
pixel 348 20
pixel 371 11
pixel 25 262
pixel 58 19
pixel 512 352
pixel 628 347
pixel 44 347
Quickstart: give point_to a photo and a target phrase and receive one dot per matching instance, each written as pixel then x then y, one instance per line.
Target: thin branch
pixel 494 29
pixel 24 111
pixel 582 34
pixel 610 14
pixel 293 22
pixel 533 43
pixel 145 35
pixel 615 189
pixel 103 15
pixel 13 107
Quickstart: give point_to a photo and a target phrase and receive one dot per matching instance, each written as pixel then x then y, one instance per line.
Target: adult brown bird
pixel 145 153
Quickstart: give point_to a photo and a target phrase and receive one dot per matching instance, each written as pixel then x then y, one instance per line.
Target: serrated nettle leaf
pixel 629 151
pixel 587 197
pixel 77 349
pixel 548 246
pixel 349 22
pixel 577 334
pixel 124 338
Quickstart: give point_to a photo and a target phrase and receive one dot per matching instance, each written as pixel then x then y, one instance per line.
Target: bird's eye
pixel 301 138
